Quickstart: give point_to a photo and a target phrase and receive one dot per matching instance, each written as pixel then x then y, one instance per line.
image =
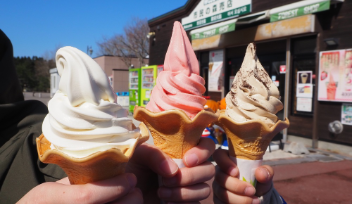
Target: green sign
pixel 218 17
pixel 300 11
pixel 215 31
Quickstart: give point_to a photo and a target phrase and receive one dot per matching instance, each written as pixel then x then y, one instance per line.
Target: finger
pixel 234 185
pixel 153 158
pixel 224 162
pixel 97 192
pixel 199 153
pixel 135 196
pixel 64 181
pixel 264 175
pixel 190 176
pixel 221 195
pixel 192 193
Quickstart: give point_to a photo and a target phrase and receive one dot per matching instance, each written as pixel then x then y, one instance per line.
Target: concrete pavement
pixel 317 178
pixel 315 182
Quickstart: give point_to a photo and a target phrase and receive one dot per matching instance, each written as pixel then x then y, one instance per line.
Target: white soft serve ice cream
pixel 83 115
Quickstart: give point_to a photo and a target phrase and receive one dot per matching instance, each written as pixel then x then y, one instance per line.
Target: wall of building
pixel 116 68
pixel 332 23
pixel 121 80
pixel 163 30
pixel 158 47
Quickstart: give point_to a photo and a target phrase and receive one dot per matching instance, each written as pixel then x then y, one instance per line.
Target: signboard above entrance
pixel 214 29
pixel 298 9
pixel 210 11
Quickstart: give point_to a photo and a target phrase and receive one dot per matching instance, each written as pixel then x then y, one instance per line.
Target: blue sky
pixel 39 26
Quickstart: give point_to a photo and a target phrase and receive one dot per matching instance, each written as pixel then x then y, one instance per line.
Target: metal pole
pixel 315 136
pixel 287 83
pixel 223 74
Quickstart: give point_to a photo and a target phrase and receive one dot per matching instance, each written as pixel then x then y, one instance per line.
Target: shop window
pixel 303 76
pixel 204 68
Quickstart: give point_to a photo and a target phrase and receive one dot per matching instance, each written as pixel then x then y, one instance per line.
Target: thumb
pixel 264 175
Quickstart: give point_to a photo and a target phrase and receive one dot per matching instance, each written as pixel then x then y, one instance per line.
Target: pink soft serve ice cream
pixel 179 86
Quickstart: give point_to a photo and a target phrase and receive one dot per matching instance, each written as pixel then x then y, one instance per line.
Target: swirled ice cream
pixel 83 115
pixel 253 94
pixel 179 86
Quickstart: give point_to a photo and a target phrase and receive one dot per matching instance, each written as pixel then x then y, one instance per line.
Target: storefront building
pixel 303 45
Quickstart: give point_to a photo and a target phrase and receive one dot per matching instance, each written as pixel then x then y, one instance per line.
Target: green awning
pixel 215 29
pixel 227 26
pixel 298 9
pixel 251 18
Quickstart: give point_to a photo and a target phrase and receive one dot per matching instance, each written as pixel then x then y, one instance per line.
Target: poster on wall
pixel 304 84
pixel 215 69
pixel 304 104
pixel 346 114
pixel 282 69
pixel 335 76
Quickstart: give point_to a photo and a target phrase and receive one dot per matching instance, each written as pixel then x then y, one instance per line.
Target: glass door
pixel 147 78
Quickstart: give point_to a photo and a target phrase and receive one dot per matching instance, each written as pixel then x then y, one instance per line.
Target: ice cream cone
pixel 249 140
pixel 173 131
pixel 95 167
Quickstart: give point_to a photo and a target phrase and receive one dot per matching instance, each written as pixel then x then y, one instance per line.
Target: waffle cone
pixel 249 140
pixel 95 167
pixel 173 131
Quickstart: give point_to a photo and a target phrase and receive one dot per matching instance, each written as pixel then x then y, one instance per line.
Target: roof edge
pixel 173 12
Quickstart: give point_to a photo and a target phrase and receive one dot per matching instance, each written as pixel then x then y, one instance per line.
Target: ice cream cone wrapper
pixel 247 169
pixel 248 142
pixel 95 167
pixel 173 131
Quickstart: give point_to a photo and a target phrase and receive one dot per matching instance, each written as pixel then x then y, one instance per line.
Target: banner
pixel 300 11
pixel 214 31
pixel 208 12
pixel 346 114
pixel 304 84
pixel 215 80
pixel 335 76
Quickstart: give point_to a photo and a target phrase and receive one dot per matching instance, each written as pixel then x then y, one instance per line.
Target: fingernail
pixel 191 160
pixel 234 172
pixel 168 166
pixel 256 201
pixel 164 193
pixel 131 179
pixel 249 191
pixel 266 172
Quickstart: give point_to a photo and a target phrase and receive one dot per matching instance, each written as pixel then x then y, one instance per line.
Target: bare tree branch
pixel 132 44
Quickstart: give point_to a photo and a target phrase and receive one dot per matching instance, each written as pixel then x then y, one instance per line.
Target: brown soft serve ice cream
pixel 249 120
pixel 253 94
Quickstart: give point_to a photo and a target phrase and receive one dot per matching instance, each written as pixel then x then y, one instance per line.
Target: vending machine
pixel 134 87
pixel 148 76
pixel 160 69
